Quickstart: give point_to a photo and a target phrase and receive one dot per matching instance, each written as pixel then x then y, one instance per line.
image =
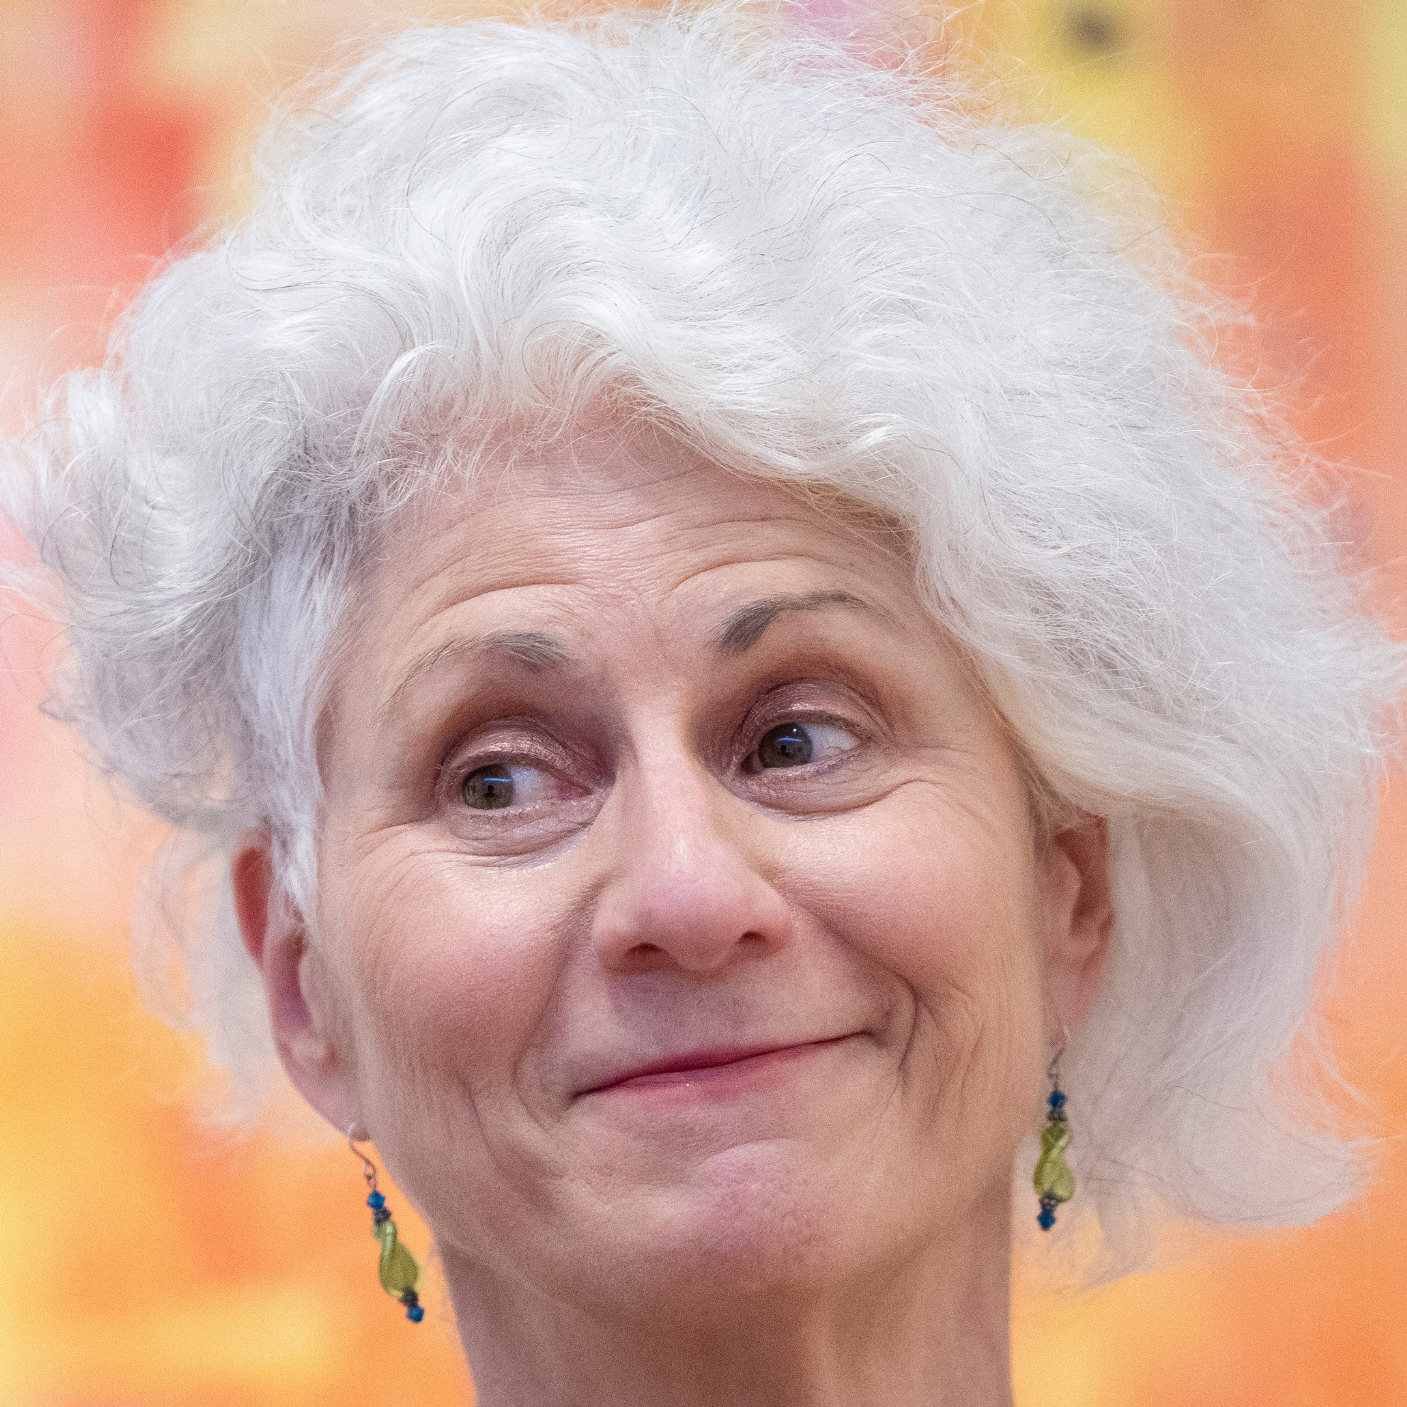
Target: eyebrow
pixel 533 649
pixel 746 626
pixel 538 652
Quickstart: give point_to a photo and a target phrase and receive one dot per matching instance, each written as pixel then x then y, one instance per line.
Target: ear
pixel 296 984
pixel 1078 914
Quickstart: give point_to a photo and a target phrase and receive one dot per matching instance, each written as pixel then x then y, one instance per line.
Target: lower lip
pixel 752 1072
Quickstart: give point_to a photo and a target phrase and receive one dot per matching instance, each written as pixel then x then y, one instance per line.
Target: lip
pixel 708 1063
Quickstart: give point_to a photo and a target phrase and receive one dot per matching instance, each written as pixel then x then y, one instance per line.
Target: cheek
pixel 943 899
pixel 450 974
pixel 931 891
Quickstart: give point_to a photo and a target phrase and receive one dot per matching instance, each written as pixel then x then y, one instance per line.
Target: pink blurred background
pixel 147 1259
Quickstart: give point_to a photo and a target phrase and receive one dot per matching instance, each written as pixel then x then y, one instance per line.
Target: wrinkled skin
pixel 684 940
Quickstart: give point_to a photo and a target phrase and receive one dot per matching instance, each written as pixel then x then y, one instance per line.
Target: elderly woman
pixel 743 657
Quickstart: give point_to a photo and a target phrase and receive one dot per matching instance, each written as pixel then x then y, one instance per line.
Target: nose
pixel 685 890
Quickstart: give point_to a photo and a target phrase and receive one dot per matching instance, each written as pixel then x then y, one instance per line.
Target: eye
pixel 796 744
pixel 786 745
pixel 503 784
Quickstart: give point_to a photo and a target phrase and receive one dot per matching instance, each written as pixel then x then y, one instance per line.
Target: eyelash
pixel 454 772
pixel 771 712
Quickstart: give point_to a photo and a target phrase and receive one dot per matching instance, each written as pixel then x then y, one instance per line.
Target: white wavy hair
pixel 819 272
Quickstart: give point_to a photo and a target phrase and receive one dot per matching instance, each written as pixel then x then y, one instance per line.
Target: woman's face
pixel 681 918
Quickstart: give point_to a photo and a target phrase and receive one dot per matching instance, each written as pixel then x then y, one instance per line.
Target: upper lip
pixel 702 1058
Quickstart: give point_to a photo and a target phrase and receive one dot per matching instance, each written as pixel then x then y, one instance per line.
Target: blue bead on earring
pixel 400 1271
pixel 1054 1182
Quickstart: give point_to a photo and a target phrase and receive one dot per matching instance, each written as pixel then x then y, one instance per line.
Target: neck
pixel 932 1330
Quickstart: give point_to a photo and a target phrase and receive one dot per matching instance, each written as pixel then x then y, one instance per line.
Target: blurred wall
pixel 144 1259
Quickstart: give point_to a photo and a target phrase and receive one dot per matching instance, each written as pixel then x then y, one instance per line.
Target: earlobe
pixel 275 938
pixel 1079 917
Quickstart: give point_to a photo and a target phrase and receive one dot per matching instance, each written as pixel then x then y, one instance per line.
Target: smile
pixel 714 1066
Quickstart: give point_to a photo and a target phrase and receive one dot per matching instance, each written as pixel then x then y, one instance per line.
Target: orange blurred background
pixel 147 1259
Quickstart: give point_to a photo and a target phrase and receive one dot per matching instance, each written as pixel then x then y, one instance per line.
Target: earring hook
pixel 1052 1071
pixel 368 1167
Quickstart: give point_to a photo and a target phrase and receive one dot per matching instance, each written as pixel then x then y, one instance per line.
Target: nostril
pixel 643 954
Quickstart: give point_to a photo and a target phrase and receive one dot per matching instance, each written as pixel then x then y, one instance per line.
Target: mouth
pixel 710 1063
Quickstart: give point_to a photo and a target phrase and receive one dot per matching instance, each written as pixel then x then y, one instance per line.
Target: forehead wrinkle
pixel 535 650
pixel 746 626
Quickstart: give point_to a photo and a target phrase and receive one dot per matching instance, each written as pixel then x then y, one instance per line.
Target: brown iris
pixel 489 788
pixel 786 745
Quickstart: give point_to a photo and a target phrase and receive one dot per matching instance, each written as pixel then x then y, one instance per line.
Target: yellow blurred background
pixel 147 1259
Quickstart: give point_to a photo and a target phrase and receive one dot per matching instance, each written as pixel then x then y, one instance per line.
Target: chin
pixel 755 1220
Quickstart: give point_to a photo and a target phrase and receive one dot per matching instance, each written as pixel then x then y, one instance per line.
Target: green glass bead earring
pixel 400 1271
pixel 1054 1182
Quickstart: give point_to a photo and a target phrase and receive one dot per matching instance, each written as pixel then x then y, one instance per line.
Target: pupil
pixel 489 788
pixel 787 745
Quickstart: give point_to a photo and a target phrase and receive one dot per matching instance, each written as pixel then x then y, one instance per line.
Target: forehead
pixel 607 518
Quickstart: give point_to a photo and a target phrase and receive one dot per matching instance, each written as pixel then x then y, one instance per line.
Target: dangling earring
pixel 400 1271
pixel 1054 1182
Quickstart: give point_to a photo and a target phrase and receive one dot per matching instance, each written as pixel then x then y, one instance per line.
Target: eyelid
pixel 818 678
pixel 783 705
pixel 813 720
pixel 536 796
pixel 807 719
pixel 531 747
